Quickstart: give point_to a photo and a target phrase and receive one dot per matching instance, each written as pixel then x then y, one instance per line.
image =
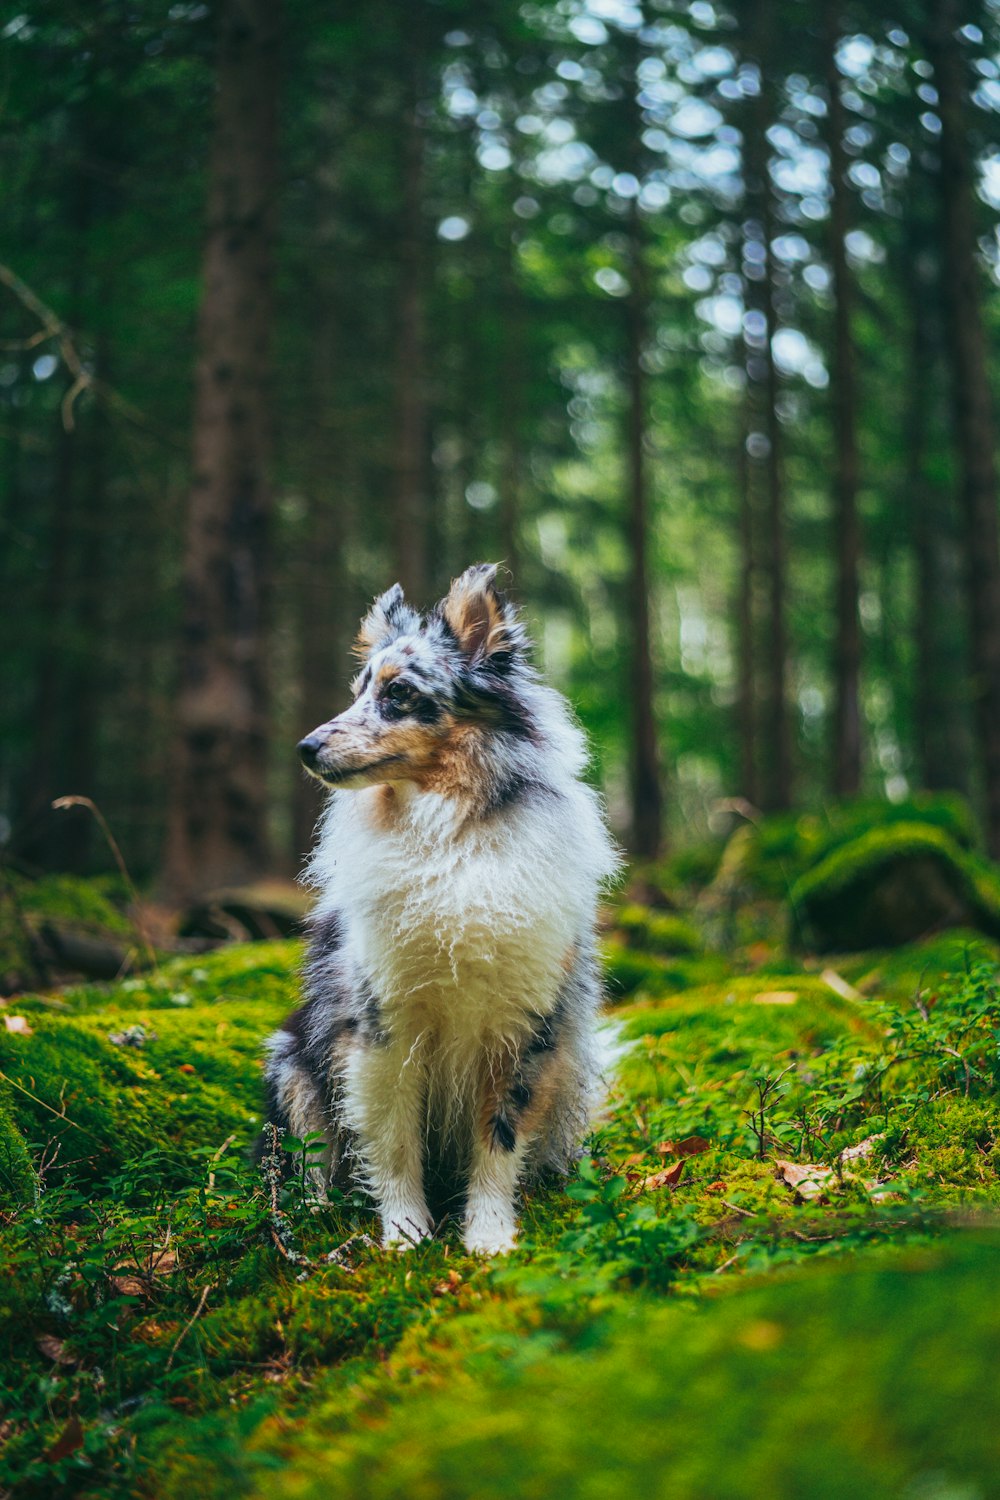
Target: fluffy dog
pixel 446 1043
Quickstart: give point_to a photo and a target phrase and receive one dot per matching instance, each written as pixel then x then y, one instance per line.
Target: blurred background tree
pixel 682 309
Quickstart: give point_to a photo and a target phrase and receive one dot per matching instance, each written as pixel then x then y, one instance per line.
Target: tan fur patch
pixel 455 769
pixel 474 612
pixel 383 806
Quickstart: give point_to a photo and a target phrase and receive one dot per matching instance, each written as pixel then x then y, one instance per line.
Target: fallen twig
pixel 189 1325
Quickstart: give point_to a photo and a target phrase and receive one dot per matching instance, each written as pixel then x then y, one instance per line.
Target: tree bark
pixel 943 742
pixel 746 673
pixel 973 416
pixel 776 733
pixel 217 818
pixel 847 528
pixel 647 797
pixel 411 511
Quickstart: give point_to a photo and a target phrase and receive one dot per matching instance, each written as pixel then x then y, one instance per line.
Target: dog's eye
pixel 400 696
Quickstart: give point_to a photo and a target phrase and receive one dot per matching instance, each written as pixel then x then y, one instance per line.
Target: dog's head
pixel 434 693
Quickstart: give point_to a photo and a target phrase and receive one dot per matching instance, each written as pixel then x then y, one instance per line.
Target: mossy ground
pixel 681 1319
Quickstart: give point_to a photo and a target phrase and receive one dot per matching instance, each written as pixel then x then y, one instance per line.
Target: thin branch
pixel 189 1325
pixel 84 379
pixel 61 803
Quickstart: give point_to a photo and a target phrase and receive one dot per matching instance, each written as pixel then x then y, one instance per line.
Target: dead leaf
pixel 691 1145
pixel 129 1286
pixel 54 1349
pixel 451 1283
pixel 669 1177
pixel 18 1025
pixel 808 1179
pixel 68 1441
pixel 187 1068
pixel 776 997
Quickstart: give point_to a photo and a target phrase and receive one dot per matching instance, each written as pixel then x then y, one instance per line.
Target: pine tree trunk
pixel 411 510
pixel 746 673
pixel 847 529
pixel 218 809
pixel 943 741
pixel 973 418
pixel 647 797
pixel 776 732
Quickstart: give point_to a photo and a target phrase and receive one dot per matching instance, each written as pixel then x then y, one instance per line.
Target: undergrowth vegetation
pixel 772 1272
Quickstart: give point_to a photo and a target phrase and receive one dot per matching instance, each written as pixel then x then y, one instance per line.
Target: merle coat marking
pixel 447 1032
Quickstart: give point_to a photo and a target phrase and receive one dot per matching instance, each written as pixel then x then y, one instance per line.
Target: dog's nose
pixel 310 747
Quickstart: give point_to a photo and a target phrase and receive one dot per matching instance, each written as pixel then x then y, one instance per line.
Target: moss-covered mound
pixel 32 910
pixel 171 1060
pixel 891 886
pixel 848 1383
pixel 766 857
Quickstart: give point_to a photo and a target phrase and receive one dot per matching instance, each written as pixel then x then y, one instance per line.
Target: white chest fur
pixel 462 929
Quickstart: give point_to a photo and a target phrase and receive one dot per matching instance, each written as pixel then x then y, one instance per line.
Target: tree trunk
pixel 973 417
pixel 847 530
pixel 647 799
pixel 324 631
pixel 776 779
pixel 746 676
pixel 411 511
pixel 217 820
pixel 943 744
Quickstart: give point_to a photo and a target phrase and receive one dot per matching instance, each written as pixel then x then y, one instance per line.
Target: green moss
pixel 657 932
pixel 194 1080
pixel 765 858
pixel 853 1381
pixel 628 971
pixel 17 1176
pixel 238 1372
pixel 889 886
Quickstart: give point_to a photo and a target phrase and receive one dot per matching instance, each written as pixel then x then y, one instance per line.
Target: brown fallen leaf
pixel 129 1286
pixel 691 1145
pixel 669 1177
pixel 18 1025
pixel 451 1283
pixel 54 1349
pixel 186 1068
pixel 68 1441
pixel 808 1179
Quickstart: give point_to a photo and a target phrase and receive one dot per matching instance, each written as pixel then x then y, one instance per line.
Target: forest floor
pixel 773 1274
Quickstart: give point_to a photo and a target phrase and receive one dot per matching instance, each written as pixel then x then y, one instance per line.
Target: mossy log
pixel 891 886
pixel 269 909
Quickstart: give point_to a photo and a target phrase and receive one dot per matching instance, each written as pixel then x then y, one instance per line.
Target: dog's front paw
pixel 405 1228
pixel 489 1235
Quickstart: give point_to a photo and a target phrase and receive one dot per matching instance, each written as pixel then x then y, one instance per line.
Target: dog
pixel 446 1045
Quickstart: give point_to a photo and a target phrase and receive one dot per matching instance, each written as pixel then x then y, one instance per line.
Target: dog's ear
pixel 388 617
pixel 480 619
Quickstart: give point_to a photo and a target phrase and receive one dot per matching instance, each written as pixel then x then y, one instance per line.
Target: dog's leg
pixel 294 1105
pixel 384 1105
pixel 490 1225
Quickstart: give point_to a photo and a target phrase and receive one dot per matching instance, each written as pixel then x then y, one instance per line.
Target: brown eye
pixel 400 696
